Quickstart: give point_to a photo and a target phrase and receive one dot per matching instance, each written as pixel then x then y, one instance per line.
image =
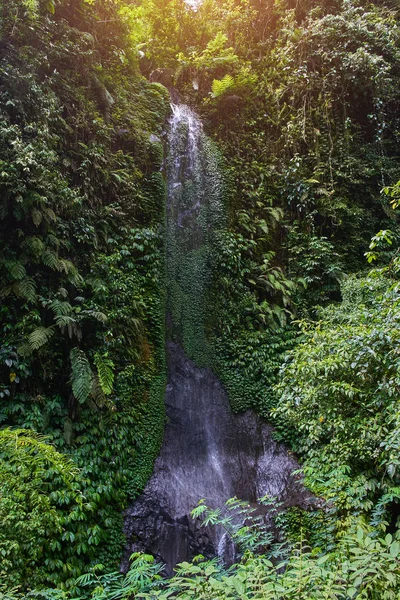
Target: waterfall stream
pixel 208 452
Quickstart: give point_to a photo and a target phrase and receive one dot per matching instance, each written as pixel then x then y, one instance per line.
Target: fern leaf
pixel 63 292
pixel 37 216
pixel 74 330
pixel 22 446
pixel 68 431
pixel 97 392
pixel 26 288
pixel 105 372
pixel 70 269
pixel 15 269
pixel 67 266
pixel 100 316
pixel 221 86
pixel 81 375
pixel 53 241
pixel 35 245
pixel 49 212
pixel 51 260
pixel 24 349
pixel 60 308
pixel 64 320
pixel 39 337
pixel 99 397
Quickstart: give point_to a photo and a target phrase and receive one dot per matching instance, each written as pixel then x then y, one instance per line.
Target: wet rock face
pixel 207 453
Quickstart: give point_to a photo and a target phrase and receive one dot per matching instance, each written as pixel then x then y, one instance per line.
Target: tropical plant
pixel 40 500
pixel 337 389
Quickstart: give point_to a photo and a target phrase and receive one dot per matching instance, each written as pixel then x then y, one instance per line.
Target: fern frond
pixel 24 349
pixel 63 292
pixel 34 244
pixel 77 280
pixel 51 260
pixel 81 375
pixel 26 288
pixel 97 285
pixel 50 214
pixel 64 320
pixel 39 337
pixel 21 444
pixel 74 330
pixel 97 392
pixel 95 314
pixel 221 86
pixel 105 372
pixel 135 323
pixel 99 316
pixel 99 397
pixel 68 267
pixel 60 308
pixel 15 269
pixel 53 240
pixel 275 213
pixel 37 216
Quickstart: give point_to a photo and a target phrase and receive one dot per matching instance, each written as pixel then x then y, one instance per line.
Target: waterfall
pixel 194 213
pixel 207 452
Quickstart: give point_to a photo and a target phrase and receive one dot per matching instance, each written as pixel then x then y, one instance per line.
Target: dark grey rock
pixel 208 452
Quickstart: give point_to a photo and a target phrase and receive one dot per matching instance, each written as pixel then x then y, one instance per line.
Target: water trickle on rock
pixel 208 452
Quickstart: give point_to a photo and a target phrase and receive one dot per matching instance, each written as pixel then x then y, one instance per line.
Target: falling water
pixel 194 213
pixel 207 451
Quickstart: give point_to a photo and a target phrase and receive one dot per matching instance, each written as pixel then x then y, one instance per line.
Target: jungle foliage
pixel 302 101
pixel 81 283
pixel 362 565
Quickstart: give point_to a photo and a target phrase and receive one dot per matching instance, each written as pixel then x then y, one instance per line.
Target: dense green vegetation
pixel 82 283
pixel 362 565
pixel 301 101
